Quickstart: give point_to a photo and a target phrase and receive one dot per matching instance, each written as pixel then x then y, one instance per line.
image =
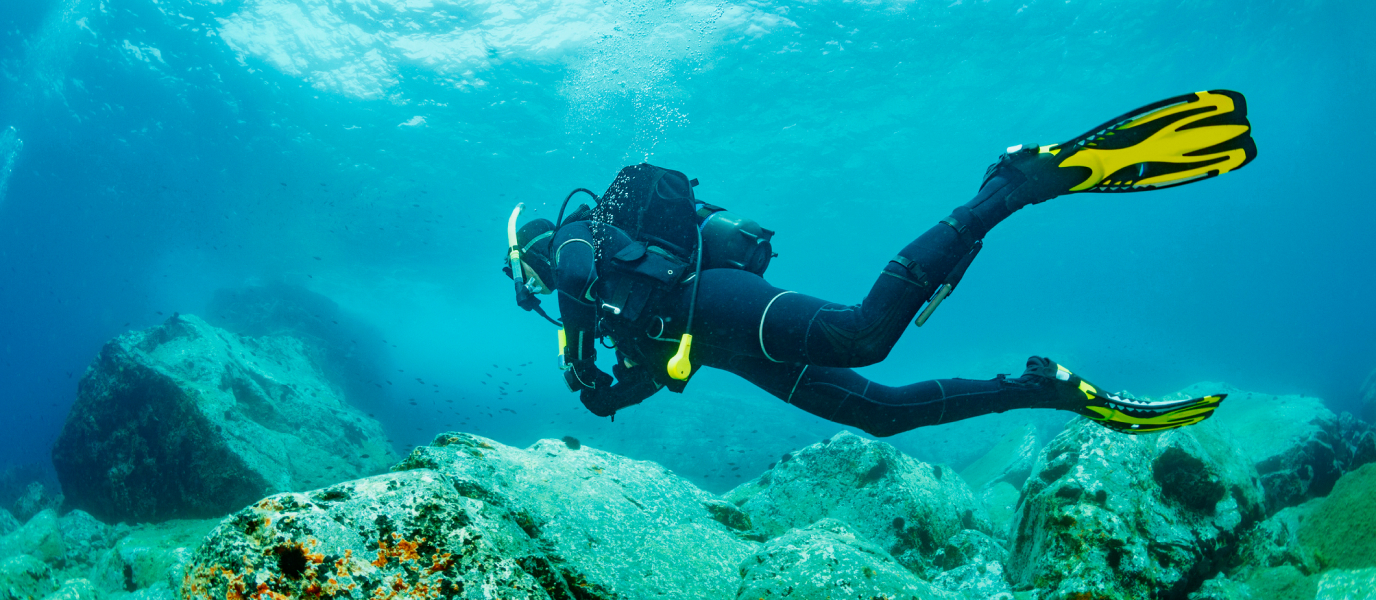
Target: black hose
pixel 560 221
pixel 697 278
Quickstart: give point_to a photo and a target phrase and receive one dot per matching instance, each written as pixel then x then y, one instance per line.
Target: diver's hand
pixel 632 386
pixel 583 375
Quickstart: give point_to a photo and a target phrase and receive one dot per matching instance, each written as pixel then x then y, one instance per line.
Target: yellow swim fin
pixel 1127 415
pixel 1168 143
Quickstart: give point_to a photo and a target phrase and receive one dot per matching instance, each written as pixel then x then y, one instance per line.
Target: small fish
pixel 571 442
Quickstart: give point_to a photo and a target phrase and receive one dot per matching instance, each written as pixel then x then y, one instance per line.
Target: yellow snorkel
pixel 514 249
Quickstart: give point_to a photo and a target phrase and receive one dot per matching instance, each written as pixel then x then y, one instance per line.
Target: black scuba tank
pixel 730 241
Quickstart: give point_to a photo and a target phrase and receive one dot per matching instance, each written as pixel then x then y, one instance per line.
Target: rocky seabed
pixel 1270 499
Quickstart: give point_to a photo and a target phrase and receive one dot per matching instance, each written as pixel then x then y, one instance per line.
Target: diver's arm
pixel 580 354
pixel 633 385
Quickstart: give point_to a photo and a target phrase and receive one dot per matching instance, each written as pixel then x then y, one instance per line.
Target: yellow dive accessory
pixel 1172 142
pixel 679 366
pixel 563 343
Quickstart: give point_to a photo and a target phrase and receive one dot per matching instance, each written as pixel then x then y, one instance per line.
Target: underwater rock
pixel 186 420
pixel 7 522
pixel 1342 527
pixel 24 577
pixel 1001 503
pixel 1010 460
pixel 906 506
pixel 1275 542
pixel 409 534
pixel 1112 515
pixel 350 352
pixel 972 564
pixel 1297 445
pixel 1345 584
pixel 469 517
pixel 1273 583
pixel 34 500
pixel 828 560
pixel 655 534
pixel 83 538
pixel 150 559
pixel 40 537
pixel 77 589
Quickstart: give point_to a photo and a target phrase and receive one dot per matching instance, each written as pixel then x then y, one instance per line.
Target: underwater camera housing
pixel 730 241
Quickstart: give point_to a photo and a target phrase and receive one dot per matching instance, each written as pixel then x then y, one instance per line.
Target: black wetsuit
pixel 797 347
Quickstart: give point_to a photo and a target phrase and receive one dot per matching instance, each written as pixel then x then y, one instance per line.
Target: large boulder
pixel 150 559
pixel 411 534
pixel 24 577
pixel 829 561
pixel 1324 548
pixel 186 420
pixel 1347 584
pixel 35 499
pixel 350 351
pixel 907 507
pixel 1298 446
pixel 1342 528
pixel 469 517
pixel 1112 515
pixel 7 522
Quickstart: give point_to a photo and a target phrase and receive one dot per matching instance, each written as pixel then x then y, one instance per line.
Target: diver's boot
pixel 1071 392
pixel 1021 177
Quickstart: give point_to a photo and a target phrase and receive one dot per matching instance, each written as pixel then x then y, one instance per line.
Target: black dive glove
pixel 633 384
pixel 583 375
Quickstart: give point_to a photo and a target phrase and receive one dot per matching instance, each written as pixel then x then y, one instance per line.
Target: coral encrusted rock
pixel 467 517
pixel 185 420
pixel 1108 515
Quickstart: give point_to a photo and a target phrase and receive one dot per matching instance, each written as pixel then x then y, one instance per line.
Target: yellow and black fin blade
pixel 1130 416
pixel 1175 141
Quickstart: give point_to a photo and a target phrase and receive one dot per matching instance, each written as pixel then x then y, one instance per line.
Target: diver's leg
pixel 843 396
pixel 745 314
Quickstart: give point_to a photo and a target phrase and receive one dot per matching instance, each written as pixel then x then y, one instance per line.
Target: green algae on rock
pixel 1342 527
pixel 186 420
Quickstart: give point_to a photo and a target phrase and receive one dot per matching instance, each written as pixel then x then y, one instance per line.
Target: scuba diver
pixel 676 284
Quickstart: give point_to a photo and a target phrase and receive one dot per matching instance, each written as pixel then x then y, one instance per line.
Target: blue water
pixel 370 150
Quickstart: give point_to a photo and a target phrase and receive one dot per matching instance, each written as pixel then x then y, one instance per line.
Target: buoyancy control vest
pixel 672 237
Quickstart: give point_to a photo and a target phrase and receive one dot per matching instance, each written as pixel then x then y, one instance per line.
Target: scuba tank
pixel 730 241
